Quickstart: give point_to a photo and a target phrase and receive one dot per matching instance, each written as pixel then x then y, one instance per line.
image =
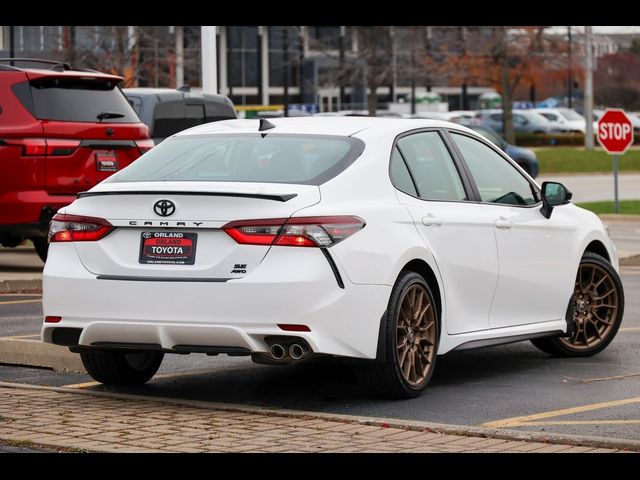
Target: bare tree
pixel 374 51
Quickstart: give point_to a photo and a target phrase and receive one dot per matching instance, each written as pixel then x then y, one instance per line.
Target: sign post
pixel 615 134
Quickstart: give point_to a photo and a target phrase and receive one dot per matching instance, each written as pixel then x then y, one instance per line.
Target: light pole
pixel 209 60
pixel 570 89
pixel 588 89
pixel 285 68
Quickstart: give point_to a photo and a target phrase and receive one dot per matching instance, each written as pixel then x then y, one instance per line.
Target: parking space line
pixel 614 377
pixel 629 329
pixel 526 419
pixel 31 335
pixel 155 377
pixel 581 422
pixel 20 295
pixel 14 302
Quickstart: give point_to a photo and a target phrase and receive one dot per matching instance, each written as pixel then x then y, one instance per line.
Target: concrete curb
pixel 461 430
pixel 18 286
pixel 34 353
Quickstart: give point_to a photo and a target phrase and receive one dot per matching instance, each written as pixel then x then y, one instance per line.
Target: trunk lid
pixel 199 208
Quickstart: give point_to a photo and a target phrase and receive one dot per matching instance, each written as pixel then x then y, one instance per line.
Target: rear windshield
pixel 81 100
pixel 301 159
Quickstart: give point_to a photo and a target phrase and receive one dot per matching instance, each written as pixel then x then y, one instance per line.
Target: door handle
pixel 503 223
pixel 430 220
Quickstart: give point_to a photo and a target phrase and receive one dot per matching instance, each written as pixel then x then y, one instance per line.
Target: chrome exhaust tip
pixel 296 351
pixel 277 351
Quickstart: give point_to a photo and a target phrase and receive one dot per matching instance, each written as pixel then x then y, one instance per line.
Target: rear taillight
pixel 145 145
pixel 294 232
pixel 77 228
pixel 32 147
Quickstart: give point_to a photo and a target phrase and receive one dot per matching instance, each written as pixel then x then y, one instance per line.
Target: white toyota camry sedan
pixel 389 241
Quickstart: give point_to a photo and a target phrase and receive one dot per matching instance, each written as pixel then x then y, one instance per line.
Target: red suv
pixel 62 130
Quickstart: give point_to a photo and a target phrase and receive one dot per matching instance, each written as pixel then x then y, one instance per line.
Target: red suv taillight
pixel 294 232
pixel 40 146
pixel 77 228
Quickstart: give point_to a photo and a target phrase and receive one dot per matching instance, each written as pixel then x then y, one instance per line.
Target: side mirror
pixel 553 195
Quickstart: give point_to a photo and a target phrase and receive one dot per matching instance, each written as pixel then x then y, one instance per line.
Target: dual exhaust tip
pixel 296 351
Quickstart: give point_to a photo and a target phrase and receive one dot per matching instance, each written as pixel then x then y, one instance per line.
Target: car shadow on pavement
pixel 321 384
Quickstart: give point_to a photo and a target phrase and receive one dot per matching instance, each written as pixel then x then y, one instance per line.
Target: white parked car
pixel 564 119
pixel 390 241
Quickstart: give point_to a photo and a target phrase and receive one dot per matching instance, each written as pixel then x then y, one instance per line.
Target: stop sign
pixel 615 131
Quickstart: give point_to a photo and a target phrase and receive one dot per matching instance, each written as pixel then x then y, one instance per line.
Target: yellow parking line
pixel 13 302
pixel 629 329
pixel 156 377
pixel 82 385
pixel 583 422
pixel 31 335
pixel 20 295
pixel 516 421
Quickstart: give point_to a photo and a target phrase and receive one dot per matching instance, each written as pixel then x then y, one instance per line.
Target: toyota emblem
pixel 164 208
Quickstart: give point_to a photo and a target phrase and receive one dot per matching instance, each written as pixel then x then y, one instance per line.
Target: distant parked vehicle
pixel 62 130
pixel 168 111
pixel 462 117
pixel 564 119
pixel 524 157
pixel 524 121
pixel 633 116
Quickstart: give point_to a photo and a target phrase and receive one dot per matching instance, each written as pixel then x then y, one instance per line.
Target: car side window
pixel 168 118
pixel 400 176
pixel 497 180
pixel 431 167
pixel 519 119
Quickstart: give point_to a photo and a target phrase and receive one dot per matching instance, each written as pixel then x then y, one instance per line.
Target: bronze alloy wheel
pixel 595 306
pixel 416 334
pixel 594 313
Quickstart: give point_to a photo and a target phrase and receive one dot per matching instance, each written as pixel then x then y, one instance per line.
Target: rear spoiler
pixel 263 196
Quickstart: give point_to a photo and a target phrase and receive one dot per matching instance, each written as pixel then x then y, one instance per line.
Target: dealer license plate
pixel 168 248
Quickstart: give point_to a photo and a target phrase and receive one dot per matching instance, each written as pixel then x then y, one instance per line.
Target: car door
pixel 535 253
pixel 457 231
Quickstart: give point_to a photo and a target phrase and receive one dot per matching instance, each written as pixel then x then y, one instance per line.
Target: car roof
pixel 342 126
pixel 168 94
pixel 34 73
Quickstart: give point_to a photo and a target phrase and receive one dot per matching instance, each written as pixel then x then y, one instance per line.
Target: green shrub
pixel 554 139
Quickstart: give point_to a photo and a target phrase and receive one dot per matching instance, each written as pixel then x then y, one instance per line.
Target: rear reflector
pixel 292 327
pixel 77 228
pixel 294 232
pixel 52 319
pixel 145 145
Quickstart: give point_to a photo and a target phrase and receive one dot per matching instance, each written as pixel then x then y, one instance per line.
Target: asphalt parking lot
pixel 513 386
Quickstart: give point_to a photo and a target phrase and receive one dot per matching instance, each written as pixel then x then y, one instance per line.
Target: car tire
pixel 42 247
pixel 597 308
pixel 410 344
pixel 121 368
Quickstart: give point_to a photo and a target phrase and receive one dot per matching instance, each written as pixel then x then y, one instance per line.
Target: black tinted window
pixel 169 118
pixel 400 176
pixel 219 111
pixel 303 159
pixel 81 100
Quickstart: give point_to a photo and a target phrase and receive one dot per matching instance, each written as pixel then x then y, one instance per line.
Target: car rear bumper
pixel 290 286
pixel 32 209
